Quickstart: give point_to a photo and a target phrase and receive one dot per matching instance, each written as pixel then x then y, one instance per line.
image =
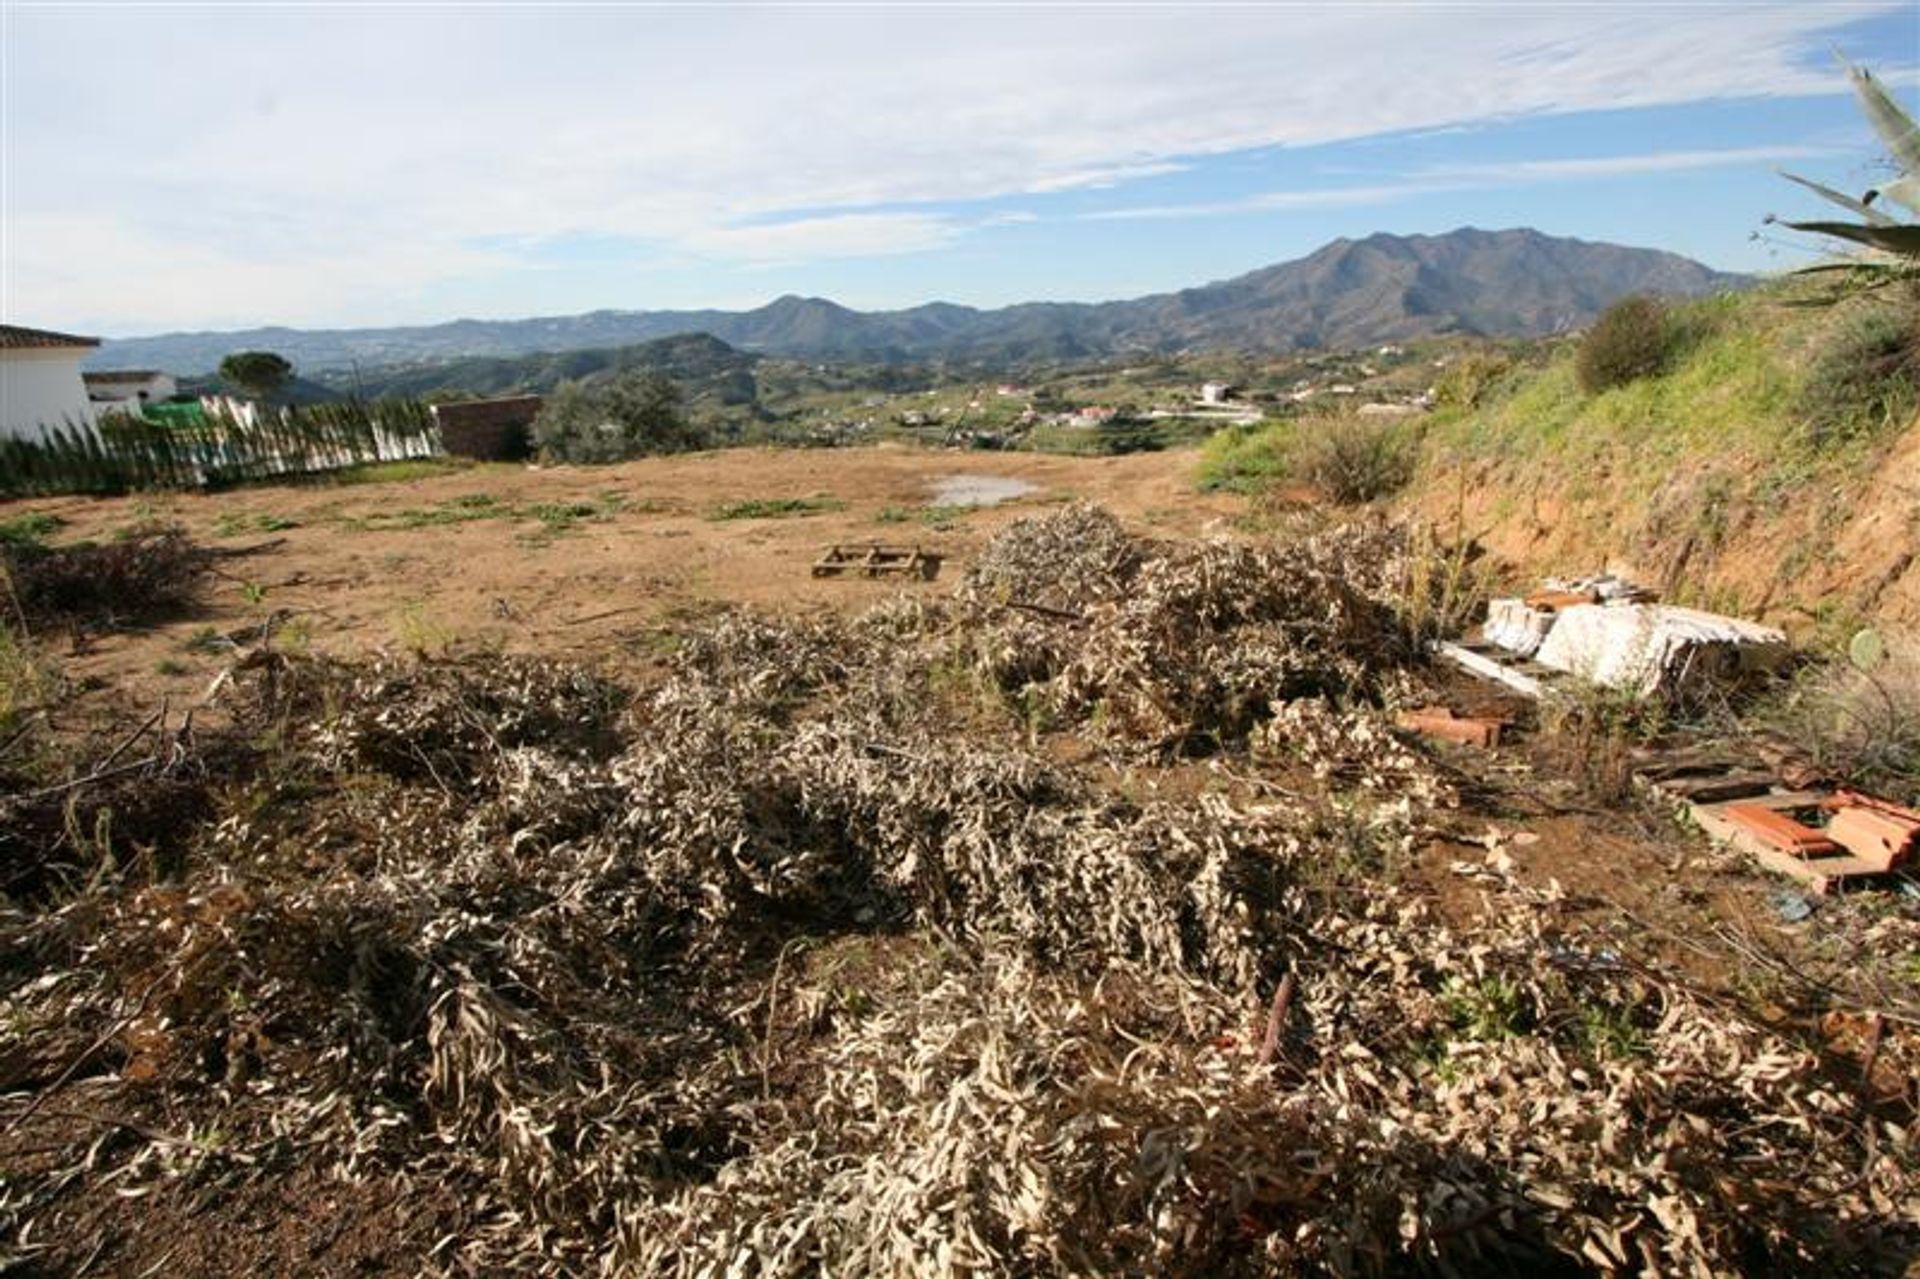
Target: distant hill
pixel 1385 288
pixel 707 369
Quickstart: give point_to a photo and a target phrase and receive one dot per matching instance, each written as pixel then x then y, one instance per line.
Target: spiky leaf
pixel 1898 239
pixel 1840 198
pixel 1889 119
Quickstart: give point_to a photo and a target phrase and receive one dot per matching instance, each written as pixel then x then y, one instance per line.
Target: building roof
pixel 15 338
pixel 121 375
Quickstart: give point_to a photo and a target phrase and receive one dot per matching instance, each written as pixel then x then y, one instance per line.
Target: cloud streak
pixel 1464 177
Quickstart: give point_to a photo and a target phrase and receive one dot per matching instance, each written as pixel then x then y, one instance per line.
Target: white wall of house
pixel 42 387
pixel 127 395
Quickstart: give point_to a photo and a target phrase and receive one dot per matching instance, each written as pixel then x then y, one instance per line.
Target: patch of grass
pixel 563 517
pixel 171 666
pixel 1865 377
pixel 399 472
pixel 934 517
pixel 1247 459
pixel 776 508
pixel 234 523
pixel 29 528
pixel 458 510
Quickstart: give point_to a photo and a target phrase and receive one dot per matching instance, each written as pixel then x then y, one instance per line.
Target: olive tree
pixel 614 419
pixel 258 373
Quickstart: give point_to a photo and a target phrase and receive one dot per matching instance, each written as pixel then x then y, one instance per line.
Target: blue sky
pixel 205 166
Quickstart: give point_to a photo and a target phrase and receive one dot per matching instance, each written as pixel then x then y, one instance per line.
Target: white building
pixel 1215 393
pixel 40 381
pixel 125 390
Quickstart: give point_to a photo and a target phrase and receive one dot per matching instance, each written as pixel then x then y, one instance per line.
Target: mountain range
pixel 1349 293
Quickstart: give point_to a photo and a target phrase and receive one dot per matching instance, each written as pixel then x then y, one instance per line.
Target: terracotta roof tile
pixel 15 338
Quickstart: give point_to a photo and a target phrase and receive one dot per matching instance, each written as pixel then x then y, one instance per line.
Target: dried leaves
pixel 498 927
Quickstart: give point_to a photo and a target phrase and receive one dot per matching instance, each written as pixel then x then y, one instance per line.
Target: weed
pixel 205 640
pixel 26 678
pixel 151 574
pixel 253 593
pixel 295 637
pixel 418 632
pixel 1485 1011
pixel 234 523
pixel 1607 1033
pixel 29 528
pixel 1591 732
pixel 775 508
pixel 934 517
pixel 172 666
pixel 1448 581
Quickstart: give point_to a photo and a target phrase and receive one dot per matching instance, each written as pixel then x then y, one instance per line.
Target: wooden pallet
pixel 1522 675
pixel 874 560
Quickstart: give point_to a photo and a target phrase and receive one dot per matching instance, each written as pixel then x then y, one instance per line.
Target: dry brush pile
pixel 789 967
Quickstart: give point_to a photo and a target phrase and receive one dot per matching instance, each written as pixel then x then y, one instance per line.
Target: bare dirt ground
pixel 423 564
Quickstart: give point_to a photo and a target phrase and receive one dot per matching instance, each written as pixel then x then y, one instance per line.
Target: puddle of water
pixel 979 490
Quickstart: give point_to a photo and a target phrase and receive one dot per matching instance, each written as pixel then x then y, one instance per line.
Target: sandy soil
pixel 498 576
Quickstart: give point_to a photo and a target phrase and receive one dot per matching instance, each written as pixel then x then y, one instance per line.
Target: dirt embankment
pixel 1713 532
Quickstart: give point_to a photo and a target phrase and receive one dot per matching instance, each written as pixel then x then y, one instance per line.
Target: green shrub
pixel 1246 459
pixel 1632 339
pixel 1865 377
pixel 614 419
pixel 1354 460
pixel 1468 381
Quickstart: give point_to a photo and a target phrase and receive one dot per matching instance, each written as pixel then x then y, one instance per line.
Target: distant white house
pixel 125 390
pixel 1215 393
pixel 40 383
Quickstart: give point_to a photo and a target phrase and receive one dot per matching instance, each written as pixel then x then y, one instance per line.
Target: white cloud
pixel 316 165
pixel 845 235
pixel 1612 166
pixel 1467 177
pixel 1276 201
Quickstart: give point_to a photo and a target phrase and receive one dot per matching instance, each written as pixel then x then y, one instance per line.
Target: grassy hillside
pixel 1771 466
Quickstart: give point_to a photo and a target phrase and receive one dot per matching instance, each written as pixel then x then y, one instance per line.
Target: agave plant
pixel 1893 240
